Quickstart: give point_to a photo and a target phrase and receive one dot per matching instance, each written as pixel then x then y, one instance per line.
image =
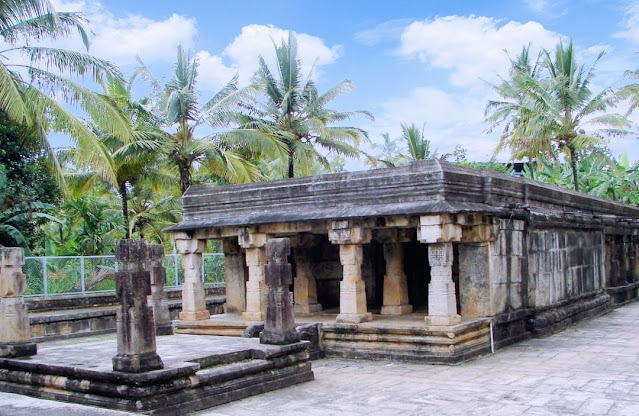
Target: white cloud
pixel 389 30
pixel 631 24
pixel 121 39
pixel 243 54
pixel 539 6
pixel 472 47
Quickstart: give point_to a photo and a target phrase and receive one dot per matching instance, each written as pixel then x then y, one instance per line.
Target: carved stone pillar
pixel 193 293
pixel 304 284
pixel 395 284
pixel 279 325
pixel 234 276
pixel 163 325
pixel 135 326
pixel 439 232
pixel 15 335
pixel 255 251
pixel 352 299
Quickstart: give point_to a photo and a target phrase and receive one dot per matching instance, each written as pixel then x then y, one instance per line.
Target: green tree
pixel 292 112
pixel 556 109
pixel 176 105
pixel 24 23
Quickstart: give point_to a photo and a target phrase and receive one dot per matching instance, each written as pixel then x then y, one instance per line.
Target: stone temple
pixel 429 262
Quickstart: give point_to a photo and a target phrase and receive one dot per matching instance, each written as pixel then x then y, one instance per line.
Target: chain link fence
pixel 60 275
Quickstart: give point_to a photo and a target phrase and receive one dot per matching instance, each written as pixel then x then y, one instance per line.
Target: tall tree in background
pixel 293 112
pixel 31 101
pixel 176 104
pixel 554 110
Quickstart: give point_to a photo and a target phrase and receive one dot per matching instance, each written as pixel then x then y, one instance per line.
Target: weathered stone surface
pixel 159 302
pixel 305 285
pixel 255 286
pixel 395 284
pixel 15 335
pixel 135 324
pixel 193 295
pixel 442 303
pixel 234 276
pixel 279 325
pixel 352 293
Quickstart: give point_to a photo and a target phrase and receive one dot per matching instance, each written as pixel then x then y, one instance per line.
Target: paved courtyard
pixel 591 368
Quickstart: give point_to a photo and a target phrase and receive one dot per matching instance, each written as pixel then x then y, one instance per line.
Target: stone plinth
pixel 161 315
pixel 193 294
pixel 279 325
pixel 442 303
pixel 15 336
pixel 135 325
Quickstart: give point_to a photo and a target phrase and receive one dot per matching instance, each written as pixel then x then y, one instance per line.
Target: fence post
pixel 82 281
pixel 202 267
pixel 45 277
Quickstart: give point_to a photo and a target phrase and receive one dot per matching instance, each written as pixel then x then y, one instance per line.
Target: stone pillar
pixel 439 232
pixel 193 293
pixel 395 284
pixel 15 336
pixel 352 299
pixel 234 276
pixel 304 286
pixel 279 325
pixel 163 325
pixel 254 245
pixel 134 322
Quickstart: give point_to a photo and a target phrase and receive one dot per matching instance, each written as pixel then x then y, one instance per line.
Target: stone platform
pixel 402 338
pixel 200 372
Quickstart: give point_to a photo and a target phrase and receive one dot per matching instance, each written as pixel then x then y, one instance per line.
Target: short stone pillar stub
pixel 134 323
pixel 442 303
pixel 279 325
pixel 395 283
pixel 193 293
pixel 15 335
pixel 352 299
pixel 159 302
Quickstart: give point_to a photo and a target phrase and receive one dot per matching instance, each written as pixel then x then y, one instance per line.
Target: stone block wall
pixel 564 264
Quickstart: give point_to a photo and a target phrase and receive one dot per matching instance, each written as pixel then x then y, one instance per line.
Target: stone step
pixel 209 327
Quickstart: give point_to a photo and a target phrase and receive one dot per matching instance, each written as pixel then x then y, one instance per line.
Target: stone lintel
pixel 248 237
pixel 190 246
pixel 393 235
pixel 438 229
pixel 348 232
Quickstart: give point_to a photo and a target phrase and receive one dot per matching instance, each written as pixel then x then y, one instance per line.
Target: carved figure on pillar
pixel 279 325
pixel 134 322
pixel 193 294
pixel 442 302
pixel 15 335
pixel 163 325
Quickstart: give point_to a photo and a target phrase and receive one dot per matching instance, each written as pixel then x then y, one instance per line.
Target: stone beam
pixel 438 229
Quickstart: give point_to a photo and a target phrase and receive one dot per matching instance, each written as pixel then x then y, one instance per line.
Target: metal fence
pixel 60 275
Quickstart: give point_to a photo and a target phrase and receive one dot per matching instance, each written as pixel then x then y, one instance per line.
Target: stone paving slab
pixel 589 369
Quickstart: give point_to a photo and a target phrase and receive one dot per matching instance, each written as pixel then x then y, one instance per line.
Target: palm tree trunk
pixel 532 169
pixel 573 165
pixel 125 208
pixel 291 167
pixel 185 178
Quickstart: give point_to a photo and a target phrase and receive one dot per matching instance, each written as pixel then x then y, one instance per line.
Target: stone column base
pixel 18 349
pixel 434 320
pixel 307 308
pixel 253 316
pixel 354 318
pixel 279 337
pixel 165 328
pixel 137 363
pixel 195 316
pixel 396 309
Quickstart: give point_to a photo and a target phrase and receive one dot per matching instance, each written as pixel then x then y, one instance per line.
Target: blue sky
pixel 411 61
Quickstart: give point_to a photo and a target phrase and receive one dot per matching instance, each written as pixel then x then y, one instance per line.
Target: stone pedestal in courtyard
pixel 352 291
pixel 162 318
pixel 135 325
pixel 193 294
pixel 15 337
pixel 279 325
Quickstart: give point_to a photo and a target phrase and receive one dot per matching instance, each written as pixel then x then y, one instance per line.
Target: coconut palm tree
pixel 418 145
pixel 176 105
pixel 555 110
pixel 30 80
pixel 294 113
